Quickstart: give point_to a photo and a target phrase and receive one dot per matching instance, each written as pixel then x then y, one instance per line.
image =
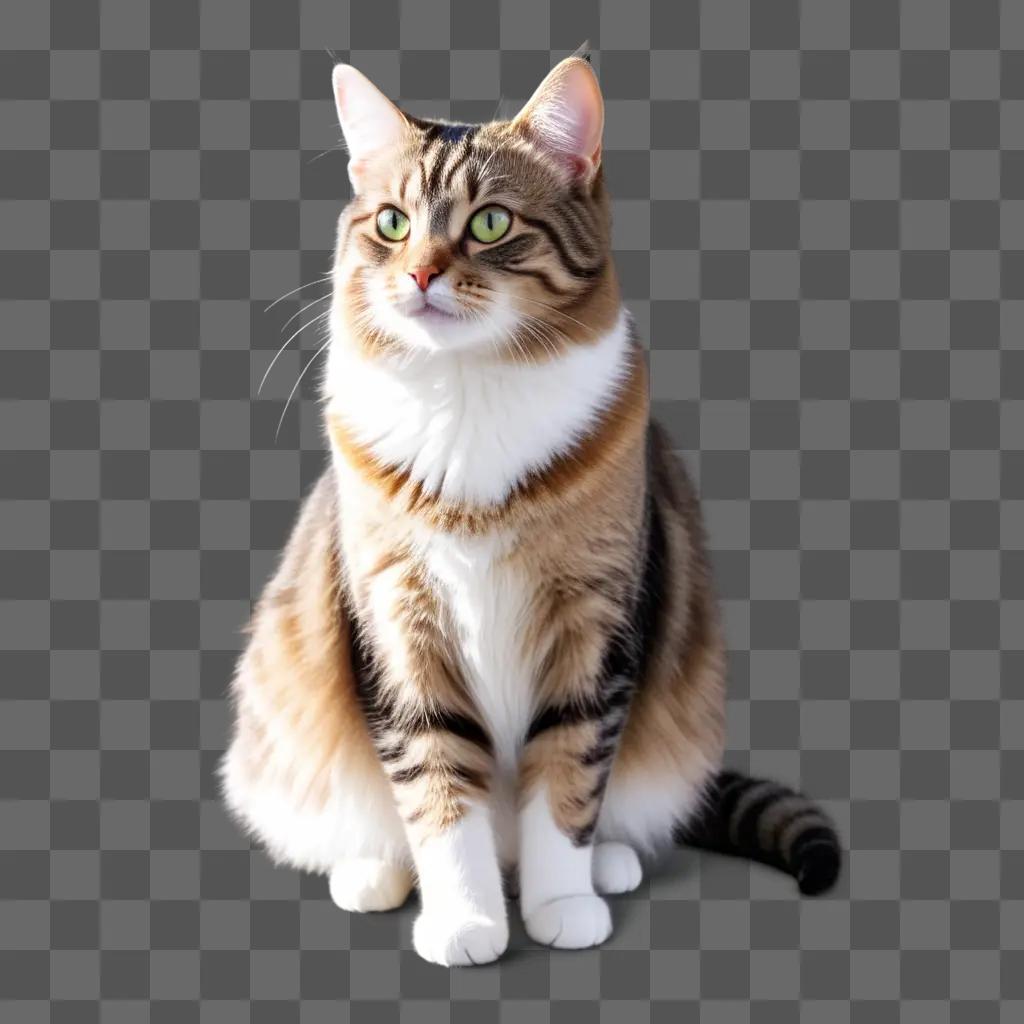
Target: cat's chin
pixel 429 329
pixel 440 333
pixel 440 324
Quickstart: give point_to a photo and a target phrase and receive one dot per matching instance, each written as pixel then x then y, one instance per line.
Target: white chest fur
pixel 489 600
pixel 466 426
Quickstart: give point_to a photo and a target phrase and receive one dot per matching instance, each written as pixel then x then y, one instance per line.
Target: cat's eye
pixel 490 223
pixel 392 224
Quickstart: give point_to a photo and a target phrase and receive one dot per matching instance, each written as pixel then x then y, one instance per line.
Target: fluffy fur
pixel 491 644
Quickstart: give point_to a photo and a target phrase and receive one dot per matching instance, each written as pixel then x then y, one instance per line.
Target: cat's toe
pixel 616 868
pixel 570 922
pixel 452 941
pixel 367 883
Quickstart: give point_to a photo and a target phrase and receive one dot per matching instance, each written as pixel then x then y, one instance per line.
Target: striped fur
pixel 492 640
pixel 766 822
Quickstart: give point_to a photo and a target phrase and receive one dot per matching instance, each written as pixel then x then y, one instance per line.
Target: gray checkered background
pixel 819 224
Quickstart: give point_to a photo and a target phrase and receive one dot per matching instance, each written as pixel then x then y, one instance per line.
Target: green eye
pixel 392 224
pixel 490 223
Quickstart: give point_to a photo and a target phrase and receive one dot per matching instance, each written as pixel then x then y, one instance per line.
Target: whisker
pixel 528 357
pixel 561 313
pixel 303 310
pixel 338 148
pixel 279 352
pixel 316 355
pixel 525 358
pixel 308 284
pixel 545 333
pixel 548 306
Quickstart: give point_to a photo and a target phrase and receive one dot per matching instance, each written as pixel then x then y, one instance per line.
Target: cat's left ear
pixel 566 116
pixel 374 128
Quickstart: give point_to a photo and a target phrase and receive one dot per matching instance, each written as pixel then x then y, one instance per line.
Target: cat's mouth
pixel 427 312
pixel 431 313
pixel 442 321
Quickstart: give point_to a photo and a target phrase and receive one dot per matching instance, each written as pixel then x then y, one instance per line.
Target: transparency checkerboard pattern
pixel 819 225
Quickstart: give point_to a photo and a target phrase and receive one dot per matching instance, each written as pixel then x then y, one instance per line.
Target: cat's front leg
pixel 565 768
pixel 438 759
pixel 438 764
pixel 463 920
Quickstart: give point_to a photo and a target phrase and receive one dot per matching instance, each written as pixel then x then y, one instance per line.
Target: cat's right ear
pixel 373 126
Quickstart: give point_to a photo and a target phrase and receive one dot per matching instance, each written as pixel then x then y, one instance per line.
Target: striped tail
pixel 766 822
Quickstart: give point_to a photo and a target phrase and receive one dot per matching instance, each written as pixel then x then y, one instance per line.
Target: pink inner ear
pixel 370 122
pixel 566 115
pixel 579 165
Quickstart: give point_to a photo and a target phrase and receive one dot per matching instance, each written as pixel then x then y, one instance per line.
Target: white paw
pixel 368 883
pixel 616 868
pixel 570 922
pixel 451 941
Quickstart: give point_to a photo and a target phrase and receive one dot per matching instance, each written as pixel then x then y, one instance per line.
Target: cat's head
pixel 490 237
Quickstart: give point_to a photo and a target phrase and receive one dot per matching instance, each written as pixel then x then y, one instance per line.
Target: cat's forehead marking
pixel 434 179
pixel 440 216
pixel 455 132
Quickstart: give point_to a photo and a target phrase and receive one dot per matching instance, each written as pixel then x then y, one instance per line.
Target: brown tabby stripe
pixel 349 225
pixel 502 253
pixel 473 183
pixel 434 755
pixel 456 165
pixel 558 244
pixel 445 140
pixel 579 215
pixel 581 234
pixel 537 275
pixel 452 153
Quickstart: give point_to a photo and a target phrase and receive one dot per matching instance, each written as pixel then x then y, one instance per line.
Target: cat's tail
pixel 766 822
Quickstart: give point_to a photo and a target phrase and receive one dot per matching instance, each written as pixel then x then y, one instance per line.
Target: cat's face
pixel 491 237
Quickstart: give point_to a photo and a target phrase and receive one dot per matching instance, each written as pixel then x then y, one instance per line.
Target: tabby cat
pixel 491 644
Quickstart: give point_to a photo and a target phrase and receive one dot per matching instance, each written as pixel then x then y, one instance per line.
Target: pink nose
pixel 424 275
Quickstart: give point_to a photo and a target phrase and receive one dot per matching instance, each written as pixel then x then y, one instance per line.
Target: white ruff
pixel 466 426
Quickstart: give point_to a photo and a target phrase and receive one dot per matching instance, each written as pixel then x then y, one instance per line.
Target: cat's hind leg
pixel 301 773
pixel 641 808
pixel 363 884
pixel 637 816
pixel 342 823
pixel 616 868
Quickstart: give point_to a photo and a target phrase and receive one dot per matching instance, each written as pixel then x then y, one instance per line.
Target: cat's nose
pixel 424 275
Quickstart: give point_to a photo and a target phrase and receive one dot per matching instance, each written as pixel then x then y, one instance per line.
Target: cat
pixel 491 644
